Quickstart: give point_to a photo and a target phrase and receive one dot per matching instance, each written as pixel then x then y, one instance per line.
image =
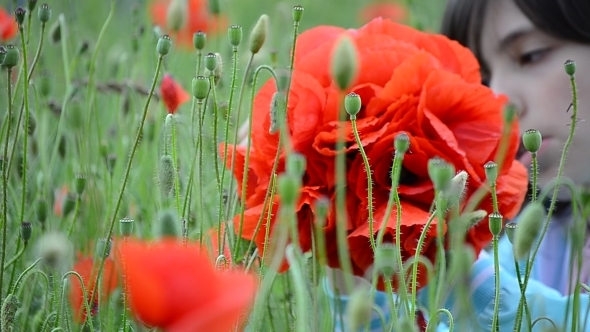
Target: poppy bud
pixel 258 34
pixel 62 146
pixel 491 169
pixel 166 175
pixel 235 35
pixel 44 13
pixel 352 104
pixel 510 230
pixel 55 32
pixel 214 7
pixel 200 87
pixel 68 204
pixel 164 44
pixel 26 229
pixel 296 164
pixel 401 143
pixel 358 310
pixel 103 246
pixel 288 188
pixel 80 184
pixel 168 225
pixel 210 61
pixel 19 15
pixel 385 260
pixel 456 190
pixel 344 63
pixel 41 209
pixel 176 16
pixel 11 57
pixel 283 79
pixel 473 218
pixel 297 13
pixel 126 227
pixel 218 71
pixel 570 67
pixel 529 226
pixel 532 139
pixel 495 221
pixel 199 40
pixel 8 312
pixel 441 173
pixel 221 263
pixel 31 5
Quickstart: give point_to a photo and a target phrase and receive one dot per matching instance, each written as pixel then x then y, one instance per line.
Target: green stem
pixel 5 177
pixel 495 317
pixel 175 165
pixel 128 171
pixel 73 222
pixel 26 127
pixel 415 263
pixel 300 285
pixel 14 259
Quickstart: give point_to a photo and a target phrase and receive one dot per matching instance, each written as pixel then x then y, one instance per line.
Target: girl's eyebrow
pixel 513 36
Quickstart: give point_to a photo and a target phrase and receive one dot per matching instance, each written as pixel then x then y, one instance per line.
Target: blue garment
pixel 543 299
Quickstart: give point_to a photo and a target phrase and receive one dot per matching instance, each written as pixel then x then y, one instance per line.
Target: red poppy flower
pixel 409 81
pixel 389 10
pixel 85 267
pixel 198 19
pixel 175 287
pixel 173 94
pixel 8 26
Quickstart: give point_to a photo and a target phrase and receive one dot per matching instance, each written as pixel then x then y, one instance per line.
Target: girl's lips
pixel 526 157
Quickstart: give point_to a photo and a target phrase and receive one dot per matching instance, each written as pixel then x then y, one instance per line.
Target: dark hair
pixel 563 19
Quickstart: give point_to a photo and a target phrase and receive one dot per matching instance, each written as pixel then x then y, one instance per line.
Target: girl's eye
pixel 532 56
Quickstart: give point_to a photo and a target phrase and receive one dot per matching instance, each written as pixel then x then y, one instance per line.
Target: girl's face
pixel 528 66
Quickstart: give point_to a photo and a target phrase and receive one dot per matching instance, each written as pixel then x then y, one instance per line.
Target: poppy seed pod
pixel 44 13
pixel 532 139
pixel 164 44
pixel 19 15
pixel 31 5
pixel 296 164
pixel 41 209
pixel 491 169
pixel 344 63
pixel 199 40
pixel 258 34
pixel 401 143
pixel 352 104
pixel 168 225
pixel 495 220
pixel 288 188
pixel 11 57
pixel 322 207
pixel 530 223
pixel 68 204
pixel 126 226
pixel 210 61
pixel 26 229
pixel 55 32
pixel 297 13
pixel 200 87
pixel 510 230
pixel 385 260
pixel 441 173
pixel 80 184
pixel 570 67
pixel 235 35
pixel 214 7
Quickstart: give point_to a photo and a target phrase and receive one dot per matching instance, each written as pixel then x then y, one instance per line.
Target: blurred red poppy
pixel 198 19
pixel 8 26
pixel 172 94
pixel 85 268
pixel 390 10
pixel 174 286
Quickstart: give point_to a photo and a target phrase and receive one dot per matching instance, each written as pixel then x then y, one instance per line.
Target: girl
pixel 522 46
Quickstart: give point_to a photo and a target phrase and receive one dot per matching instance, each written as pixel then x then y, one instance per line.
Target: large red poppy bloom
pixel 198 19
pixel 409 81
pixel 175 286
pixel 85 267
pixel 8 26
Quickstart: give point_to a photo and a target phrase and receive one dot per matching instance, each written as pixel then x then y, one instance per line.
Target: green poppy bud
pixel 352 104
pixel 235 35
pixel 166 175
pixel 288 188
pixel 530 223
pixel 68 204
pixel 491 169
pixel 495 221
pixel 210 61
pixel 199 40
pixel 177 15
pixel 200 87
pixel 297 13
pixel 11 57
pixel 214 7
pixel 41 209
pixel 358 310
pixel 532 140
pixel 570 67
pixel 344 63
pixel 401 143
pixel 126 227
pixel 80 184
pixel 441 173
pixel 44 13
pixel 26 229
pixel 296 164
pixel 168 225
pixel 322 208
pixel 386 260
pixel 164 44
pixel 258 34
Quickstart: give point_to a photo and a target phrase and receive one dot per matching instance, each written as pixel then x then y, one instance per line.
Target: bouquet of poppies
pixel 409 81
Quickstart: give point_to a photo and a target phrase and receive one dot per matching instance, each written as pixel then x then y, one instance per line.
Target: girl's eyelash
pixel 532 56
